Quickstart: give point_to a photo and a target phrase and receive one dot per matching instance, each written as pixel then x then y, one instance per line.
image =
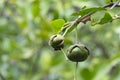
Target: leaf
pixel 57 25
pixel 106 67
pixel 88 10
pixel 35 8
pixel 107 18
pixel 96 17
pixel 56 61
pixel 89 73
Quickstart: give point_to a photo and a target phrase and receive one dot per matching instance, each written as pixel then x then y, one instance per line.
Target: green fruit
pixel 77 53
pixel 56 41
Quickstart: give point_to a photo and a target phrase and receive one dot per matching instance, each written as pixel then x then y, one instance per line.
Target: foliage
pixel 26 26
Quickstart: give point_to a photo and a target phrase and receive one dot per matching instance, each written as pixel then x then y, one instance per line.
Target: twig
pixel 116 3
pixel 76 35
pixel 116 17
pixel 82 19
pixel 77 21
pixel 86 18
pixel 111 4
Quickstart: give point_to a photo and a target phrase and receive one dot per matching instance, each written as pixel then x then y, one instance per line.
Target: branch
pixel 111 4
pixel 83 19
pixel 116 3
pixel 86 18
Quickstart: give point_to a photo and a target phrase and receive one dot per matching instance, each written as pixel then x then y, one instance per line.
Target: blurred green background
pixel 24 34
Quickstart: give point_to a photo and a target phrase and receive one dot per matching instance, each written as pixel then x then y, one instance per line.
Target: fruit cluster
pixel 76 53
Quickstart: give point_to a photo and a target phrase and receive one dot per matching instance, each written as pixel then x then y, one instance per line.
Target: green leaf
pixel 107 18
pixel 35 8
pixel 57 25
pixel 88 10
pixel 96 17
pixel 56 61
pixel 106 67
pixel 89 73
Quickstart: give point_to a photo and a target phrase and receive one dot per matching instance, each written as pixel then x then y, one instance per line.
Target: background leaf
pixel 57 25
pixel 105 68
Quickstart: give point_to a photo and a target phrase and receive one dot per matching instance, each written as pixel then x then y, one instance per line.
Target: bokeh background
pixel 24 34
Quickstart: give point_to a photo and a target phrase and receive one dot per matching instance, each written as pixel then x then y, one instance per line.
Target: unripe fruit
pixel 77 52
pixel 56 41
